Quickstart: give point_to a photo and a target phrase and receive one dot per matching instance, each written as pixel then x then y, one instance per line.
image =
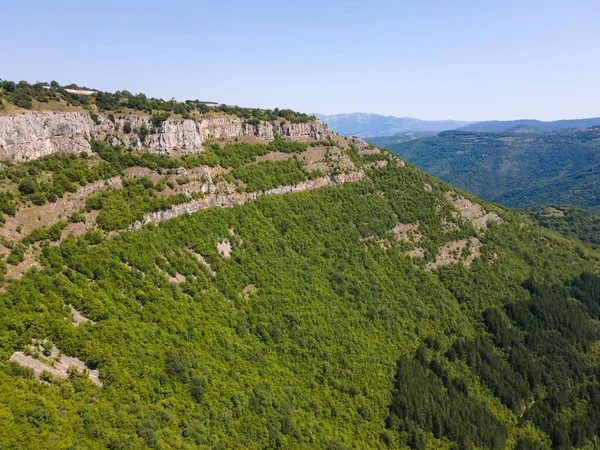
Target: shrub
pixel 143 132
pixel 159 117
pixel 95 118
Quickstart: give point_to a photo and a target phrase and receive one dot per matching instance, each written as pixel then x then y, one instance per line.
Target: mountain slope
pixel 501 126
pixel 569 221
pixel 301 325
pixel 268 293
pixel 515 169
pixel 367 125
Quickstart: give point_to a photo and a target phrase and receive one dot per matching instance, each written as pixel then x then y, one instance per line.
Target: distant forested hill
pixel 516 169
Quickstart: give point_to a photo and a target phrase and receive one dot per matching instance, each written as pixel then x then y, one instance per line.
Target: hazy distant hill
pixel 368 125
pixel 524 125
pixel 516 169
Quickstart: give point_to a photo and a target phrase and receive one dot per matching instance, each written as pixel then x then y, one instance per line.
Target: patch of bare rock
pixel 224 248
pixel 554 212
pixel 325 159
pixel 177 278
pixel 465 251
pixel 30 262
pixel 473 212
pixel 77 318
pixel 249 291
pixel 407 232
pixel 54 362
pixel 229 199
pixel 202 261
pixel 448 226
pixel 417 252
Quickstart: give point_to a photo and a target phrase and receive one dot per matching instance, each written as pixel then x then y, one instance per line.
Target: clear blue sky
pixel 466 59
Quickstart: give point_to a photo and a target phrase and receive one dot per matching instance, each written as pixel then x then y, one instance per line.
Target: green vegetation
pixel 269 174
pixel 238 154
pixel 427 399
pixel 17 255
pixel 40 234
pixel 312 334
pixel 516 169
pixel 22 94
pixel 120 158
pixel 48 179
pixel 532 356
pixel 570 221
pixel 120 208
pixel 319 330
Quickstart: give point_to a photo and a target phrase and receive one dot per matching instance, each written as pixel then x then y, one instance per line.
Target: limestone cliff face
pixel 33 135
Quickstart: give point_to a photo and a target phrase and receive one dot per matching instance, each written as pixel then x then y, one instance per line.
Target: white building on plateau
pixel 80 91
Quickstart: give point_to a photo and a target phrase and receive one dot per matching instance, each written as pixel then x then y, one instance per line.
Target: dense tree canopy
pixel 319 331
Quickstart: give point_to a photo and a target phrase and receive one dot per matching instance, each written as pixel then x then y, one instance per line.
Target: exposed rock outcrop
pixel 33 135
pixel 239 198
pixel 55 364
pixel 473 212
pixel 465 251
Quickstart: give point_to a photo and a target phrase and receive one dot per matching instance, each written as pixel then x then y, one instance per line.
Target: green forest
pixel 516 169
pixel 571 221
pixel 318 331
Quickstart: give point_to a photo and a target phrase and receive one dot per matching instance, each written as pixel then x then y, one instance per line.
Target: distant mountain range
pixel 524 125
pixel 364 125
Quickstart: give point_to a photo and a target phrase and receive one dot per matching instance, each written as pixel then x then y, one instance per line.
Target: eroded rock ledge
pixel 239 198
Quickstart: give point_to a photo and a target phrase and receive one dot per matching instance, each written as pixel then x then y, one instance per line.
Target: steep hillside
pixel 518 170
pixel 261 292
pixel 523 125
pixel 569 221
pixel 368 125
